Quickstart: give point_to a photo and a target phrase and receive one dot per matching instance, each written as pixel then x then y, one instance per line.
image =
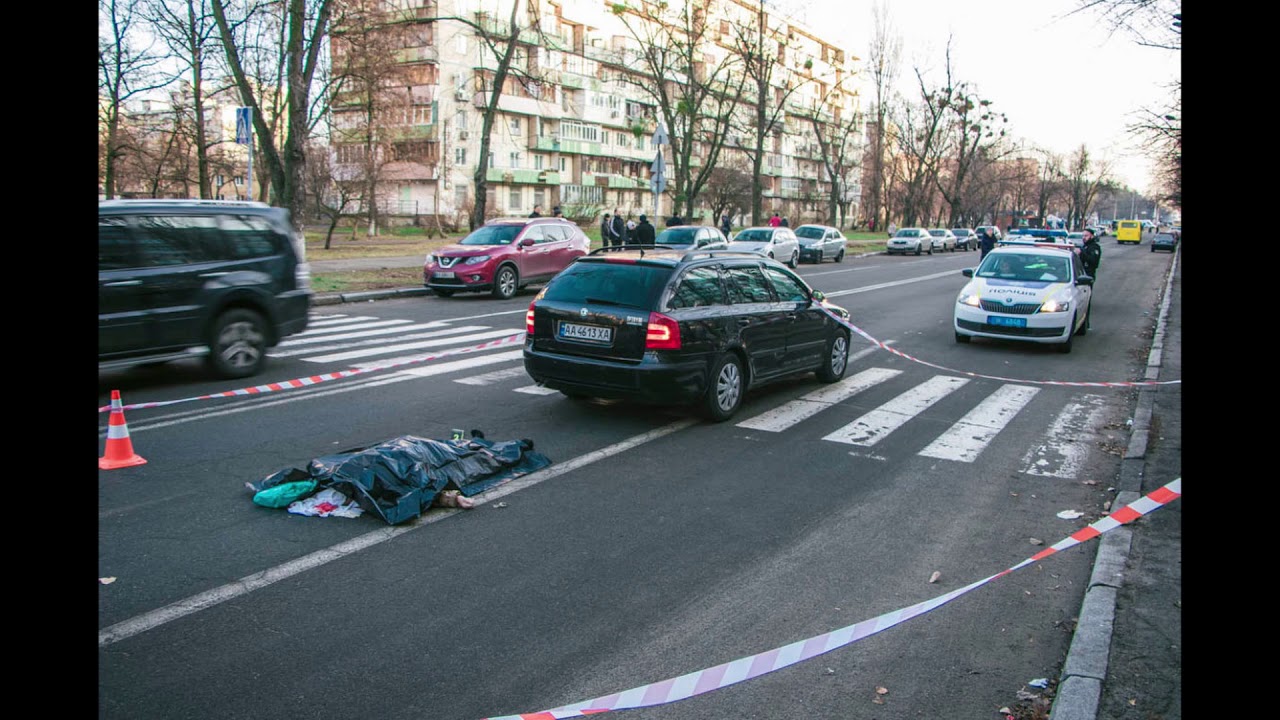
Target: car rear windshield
pixel 677 236
pixel 493 235
pixel 622 284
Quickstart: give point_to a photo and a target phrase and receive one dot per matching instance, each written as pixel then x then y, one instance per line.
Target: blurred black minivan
pixel 223 280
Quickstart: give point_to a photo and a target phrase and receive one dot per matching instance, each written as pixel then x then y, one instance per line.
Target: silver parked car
pixel 966 239
pixel 910 240
pixel 943 239
pixel 820 242
pixel 692 237
pixel 778 243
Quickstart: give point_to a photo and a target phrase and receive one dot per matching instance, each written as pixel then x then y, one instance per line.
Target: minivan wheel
pixel 238 345
pixel 837 359
pixel 505 283
pixel 724 392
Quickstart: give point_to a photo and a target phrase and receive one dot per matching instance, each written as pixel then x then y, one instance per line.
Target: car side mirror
pixel 1084 280
pixel 967 272
pixel 819 296
pixel 527 242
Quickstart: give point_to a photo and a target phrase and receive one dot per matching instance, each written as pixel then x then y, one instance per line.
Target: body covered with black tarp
pixel 398 479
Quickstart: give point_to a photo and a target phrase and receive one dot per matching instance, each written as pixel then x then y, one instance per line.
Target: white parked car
pixel 778 243
pixel 943 239
pixel 910 240
pixel 1032 293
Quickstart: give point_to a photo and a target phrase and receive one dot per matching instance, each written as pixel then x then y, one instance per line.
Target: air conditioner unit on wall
pixel 463 135
pixel 460 95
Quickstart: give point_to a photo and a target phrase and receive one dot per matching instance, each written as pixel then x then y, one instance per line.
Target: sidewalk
pixel 401 261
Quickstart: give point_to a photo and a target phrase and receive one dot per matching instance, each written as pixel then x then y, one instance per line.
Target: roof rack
pixel 718 253
pixel 179 202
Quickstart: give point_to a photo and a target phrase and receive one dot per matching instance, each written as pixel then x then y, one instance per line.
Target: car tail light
pixel 528 322
pixel 663 333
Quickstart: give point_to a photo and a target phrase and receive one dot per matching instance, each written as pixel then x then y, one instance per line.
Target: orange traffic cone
pixel 119 448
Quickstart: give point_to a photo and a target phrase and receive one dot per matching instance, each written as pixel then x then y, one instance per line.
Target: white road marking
pixel 894 283
pixel 803 408
pixel 400 347
pixel 375 341
pixel 1066 444
pixel 492 377
pixel 317 329
pixel 245 585
pixel 536 389
pixel 875 425
pixel 964 440
pixel 334 336
pixel 477 361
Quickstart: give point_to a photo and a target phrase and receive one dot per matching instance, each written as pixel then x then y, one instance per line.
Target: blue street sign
pixel 244 126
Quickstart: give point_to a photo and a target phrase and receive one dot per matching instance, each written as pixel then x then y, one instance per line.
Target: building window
pixel 539 197
pixel 515 126
pixel 579 131
pixel 237 180
pixel 460 43
pixel 564 165
pixel 514 160
pixel 537 162
pixel 513 199
pixel 460 156
pixel 221 180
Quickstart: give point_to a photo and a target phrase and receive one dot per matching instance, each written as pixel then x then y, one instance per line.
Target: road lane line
pixel 895 283
pixel 245 585
pixel 972 433
pixel 875 425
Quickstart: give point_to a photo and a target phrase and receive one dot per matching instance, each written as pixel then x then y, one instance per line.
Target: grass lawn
pixel 414 241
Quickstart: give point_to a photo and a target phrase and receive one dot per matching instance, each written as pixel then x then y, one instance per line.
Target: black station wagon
pixel 663 326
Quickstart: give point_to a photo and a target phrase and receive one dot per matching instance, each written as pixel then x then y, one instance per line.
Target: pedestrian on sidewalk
pixel 607 238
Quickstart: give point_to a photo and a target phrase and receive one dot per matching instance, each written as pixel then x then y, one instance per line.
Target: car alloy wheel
pixel 724 393
pixel 505 283
pixel 238 347
pixel 837 359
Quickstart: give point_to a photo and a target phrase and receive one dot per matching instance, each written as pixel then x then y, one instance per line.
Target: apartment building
pixel 574 124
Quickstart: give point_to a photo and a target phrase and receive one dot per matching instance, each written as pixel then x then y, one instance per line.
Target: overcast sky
pixel 1061 80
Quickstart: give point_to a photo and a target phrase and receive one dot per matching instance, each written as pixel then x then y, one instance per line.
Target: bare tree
pixel 882 64
pixel 1084 178
pixel 762 48
pixel 1048 181
pixel 839 148
pixel 728 189
pixel 187 28
pixel 125 71
pixel 974 127
pixel 694 96
pixel 920 135
pixel 1160 133
pixel 329 199
pixel 302 26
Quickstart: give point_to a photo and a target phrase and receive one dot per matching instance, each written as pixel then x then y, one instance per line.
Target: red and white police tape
pixel 730 673
pixel 315 379
pixel 899 353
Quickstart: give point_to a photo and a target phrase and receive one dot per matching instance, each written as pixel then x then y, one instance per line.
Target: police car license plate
pixel 1006 321
pixel 445 275
pixel 585 333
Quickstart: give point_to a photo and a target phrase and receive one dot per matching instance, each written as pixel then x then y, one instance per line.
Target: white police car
pixel 1037 292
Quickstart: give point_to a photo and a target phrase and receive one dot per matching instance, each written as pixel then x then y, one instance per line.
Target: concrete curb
pixel 1080 684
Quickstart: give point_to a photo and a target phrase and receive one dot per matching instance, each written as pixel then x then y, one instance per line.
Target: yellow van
pixel 1129 231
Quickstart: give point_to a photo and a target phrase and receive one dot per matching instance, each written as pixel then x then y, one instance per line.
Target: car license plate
pixel 444 275
pixel 1006 321
pixel 586 333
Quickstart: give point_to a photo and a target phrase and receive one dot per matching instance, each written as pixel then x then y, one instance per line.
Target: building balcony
pixel 521 176
pixel 417 54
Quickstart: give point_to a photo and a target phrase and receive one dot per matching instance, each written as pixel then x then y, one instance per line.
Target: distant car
pixel 1100 231
pixel 966 239
pixel 943 240
pixel 692 237
pixel 775 243
pixel 1164 241
pixel 504 255
pixel 1032 293
pixel 220 280
pixel 820 242
pixel 670 328
pixel 1077 238
pixel 910 240
pixel 982 230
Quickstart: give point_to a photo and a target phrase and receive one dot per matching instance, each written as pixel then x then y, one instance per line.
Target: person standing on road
pixel 644 231
pixel 893 228
pixel 1091 254
pixel 726 225
pixel 988 241
pixel 619 227
pixel 606 231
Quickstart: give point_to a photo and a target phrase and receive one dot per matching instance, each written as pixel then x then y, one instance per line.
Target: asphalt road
pixel 658 546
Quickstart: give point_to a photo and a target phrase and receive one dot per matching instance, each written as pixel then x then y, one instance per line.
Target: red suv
pixel 505 255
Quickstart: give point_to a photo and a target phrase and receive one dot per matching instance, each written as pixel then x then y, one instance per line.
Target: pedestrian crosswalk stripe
pixel 1068 440
pixel 493 377
pixel 294 349
pixel 536 390
pixel 313 329
pixel 875 425
pixel 783 417
pixel 972 433
pixel 401 347
pixel 333 335
pixel 467 364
